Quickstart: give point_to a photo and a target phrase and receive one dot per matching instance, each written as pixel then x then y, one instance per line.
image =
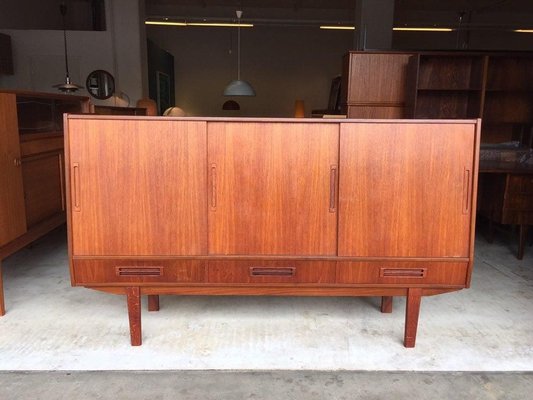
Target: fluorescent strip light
pixel 341 27
pixel 423 29
pixel 222 24
pixel 523 30
pixel 165 23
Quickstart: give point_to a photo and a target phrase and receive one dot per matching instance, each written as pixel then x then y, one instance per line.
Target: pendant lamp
pixel 68 86
pixel 239 87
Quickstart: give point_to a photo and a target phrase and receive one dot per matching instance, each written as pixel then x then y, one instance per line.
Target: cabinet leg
pixel 153 302
pixel 490 239
pixel 412 310
pixel 134 313
pixel 2 305
pixel 386 304
pixel 522 241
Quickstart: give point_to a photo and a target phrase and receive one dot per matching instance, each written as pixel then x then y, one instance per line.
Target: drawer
pixel 268 271
pixel 402 273
pixel 125 271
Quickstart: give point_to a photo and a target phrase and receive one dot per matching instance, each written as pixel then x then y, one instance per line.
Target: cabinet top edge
pixel 273 120
pixel 41 95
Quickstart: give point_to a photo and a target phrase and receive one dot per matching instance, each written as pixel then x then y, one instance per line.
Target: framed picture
pixel 163 92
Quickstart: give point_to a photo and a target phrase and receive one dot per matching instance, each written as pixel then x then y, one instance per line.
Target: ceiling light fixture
pixel 239 87
pixel 340 27
pixel 523 30
pixel 167 23
pixel 68 86
pixel 422 29
pixel 220 24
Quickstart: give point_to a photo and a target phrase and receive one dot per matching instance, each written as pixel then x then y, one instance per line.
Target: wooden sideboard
pixel 32 192
pixel 221 206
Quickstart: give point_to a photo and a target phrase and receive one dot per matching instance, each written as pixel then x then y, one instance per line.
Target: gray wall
pixel 38 55
pixel 281 63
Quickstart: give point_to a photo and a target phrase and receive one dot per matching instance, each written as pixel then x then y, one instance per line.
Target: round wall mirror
pixel 100 84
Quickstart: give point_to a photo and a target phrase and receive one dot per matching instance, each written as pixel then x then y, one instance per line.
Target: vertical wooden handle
pixel 467 191
pixel 332 189
pixel 76 186
pixel 213 187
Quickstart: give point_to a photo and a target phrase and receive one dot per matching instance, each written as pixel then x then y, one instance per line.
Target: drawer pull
pixel 402 272
pixel 262 271
pixel 139 271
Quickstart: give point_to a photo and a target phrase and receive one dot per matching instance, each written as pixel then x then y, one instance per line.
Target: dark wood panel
pixel 405 189
pixel 377 111
pixel 402 273
pixel 43 186
pixel 377 77
pixel 267 271
pixel 450 72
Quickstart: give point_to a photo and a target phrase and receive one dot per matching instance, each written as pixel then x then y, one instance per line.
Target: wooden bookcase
pixel 32 200
pixel 508 110
pixel 448 86
pixel 497 87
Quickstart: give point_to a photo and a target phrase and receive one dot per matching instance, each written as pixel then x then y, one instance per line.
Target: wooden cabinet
pixel 376 85
pixel 32 196
pixel 271 207
pixel 12 212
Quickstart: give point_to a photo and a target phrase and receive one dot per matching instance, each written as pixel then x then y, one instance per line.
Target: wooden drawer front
pixel 521 184
pixel 434 273
pixel 88 272
pixel 260 271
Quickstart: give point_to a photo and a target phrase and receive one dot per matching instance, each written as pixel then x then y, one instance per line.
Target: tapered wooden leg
pixel 153 302
pixel 522 241
pixel 134 313
pixel 2 305
pixel 386 304
pixel 412 310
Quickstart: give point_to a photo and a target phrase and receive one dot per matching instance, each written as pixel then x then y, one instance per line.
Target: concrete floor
pixel 463 338
pixel 259 385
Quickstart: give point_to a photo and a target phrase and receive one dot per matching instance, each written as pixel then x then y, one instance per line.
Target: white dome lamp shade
pixel 239 87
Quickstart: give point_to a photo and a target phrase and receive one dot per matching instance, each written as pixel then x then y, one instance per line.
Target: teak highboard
pixel 219 206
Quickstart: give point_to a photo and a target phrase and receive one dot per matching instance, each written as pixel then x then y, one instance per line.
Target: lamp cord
pixel 239 48
pixel 63 10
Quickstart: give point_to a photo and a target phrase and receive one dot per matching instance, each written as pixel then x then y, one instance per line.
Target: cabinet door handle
pixel 17 162
pixel 332 188
pixel 265 271
pixel 76 186
pixel 467 191
pixel 213 187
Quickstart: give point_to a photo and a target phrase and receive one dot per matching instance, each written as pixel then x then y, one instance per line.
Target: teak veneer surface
pixel 221 206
